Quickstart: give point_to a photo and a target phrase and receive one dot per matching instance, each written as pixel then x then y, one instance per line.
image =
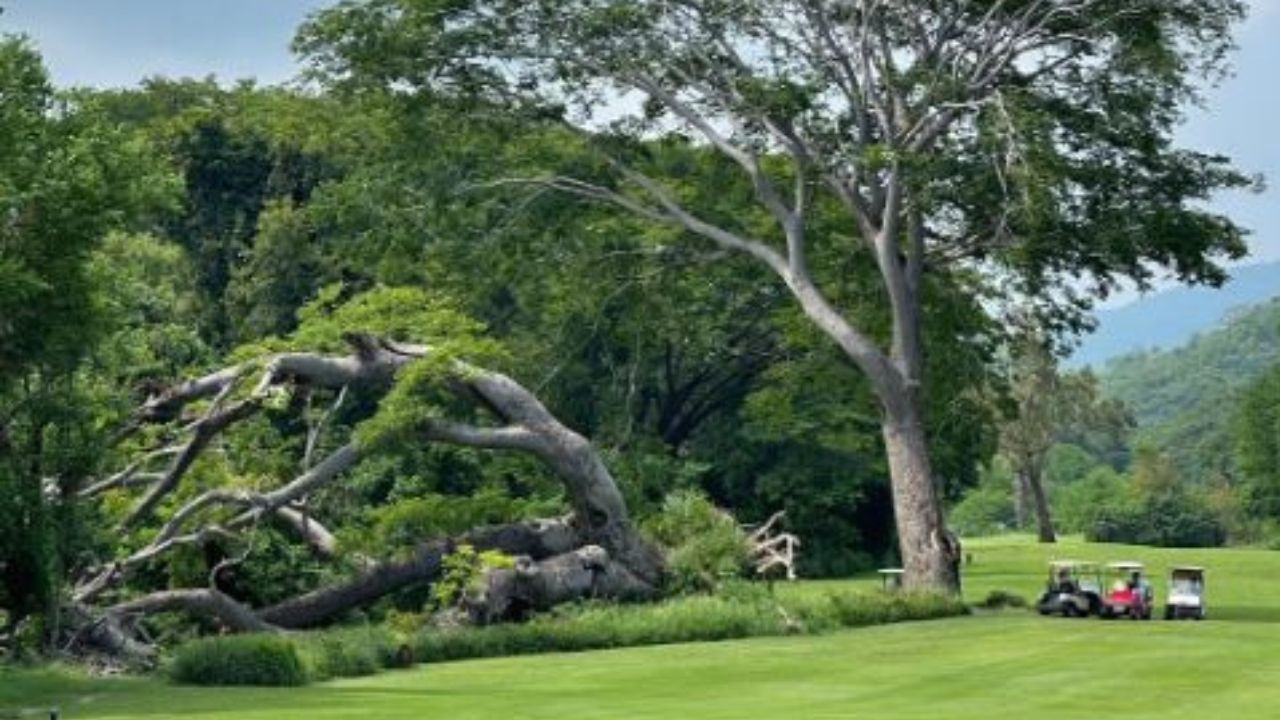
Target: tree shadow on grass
pixel 289 701
pixel 1245 613
pixel 83 697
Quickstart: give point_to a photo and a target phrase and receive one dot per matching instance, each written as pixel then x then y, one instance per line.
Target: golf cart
pixel 1073 590
pixel 1128 594
pixel 1186 594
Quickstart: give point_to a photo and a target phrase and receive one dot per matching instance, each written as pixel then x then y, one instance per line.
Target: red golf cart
pixel 1128 593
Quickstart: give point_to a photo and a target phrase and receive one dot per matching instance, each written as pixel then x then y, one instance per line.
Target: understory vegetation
pixel 1193 465
pixel 740 611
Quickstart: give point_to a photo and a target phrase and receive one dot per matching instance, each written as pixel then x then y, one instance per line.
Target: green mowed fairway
pixel 1011 664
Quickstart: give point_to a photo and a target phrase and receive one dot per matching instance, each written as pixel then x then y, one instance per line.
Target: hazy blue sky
pixel 118 42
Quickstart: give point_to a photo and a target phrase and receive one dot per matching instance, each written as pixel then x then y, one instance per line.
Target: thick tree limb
pixel 538 539
pixel 320 606
pixel 208 602
pixel 203 432
pixel 532 585
pixel 315 535
pixel 600 515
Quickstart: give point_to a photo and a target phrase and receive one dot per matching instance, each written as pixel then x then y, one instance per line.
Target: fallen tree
pixel 595 551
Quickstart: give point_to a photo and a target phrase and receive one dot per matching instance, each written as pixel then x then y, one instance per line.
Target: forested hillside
pixel 1184 399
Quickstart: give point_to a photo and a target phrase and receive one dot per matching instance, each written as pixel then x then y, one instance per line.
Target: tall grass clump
pixel 687 619
pixel 347 652
pixel 270 660
pixel 741 610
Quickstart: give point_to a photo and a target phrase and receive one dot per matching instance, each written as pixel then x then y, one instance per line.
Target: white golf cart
pixel 1186 593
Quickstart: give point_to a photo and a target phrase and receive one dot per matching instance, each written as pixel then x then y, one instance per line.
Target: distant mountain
pixel 1170 318
pixel 1184 398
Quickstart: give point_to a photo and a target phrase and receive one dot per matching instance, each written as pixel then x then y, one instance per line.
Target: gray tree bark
pixel 1040 501
pixel 1021 499
pixel 594 552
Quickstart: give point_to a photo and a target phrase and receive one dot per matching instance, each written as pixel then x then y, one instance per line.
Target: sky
pixel 113 43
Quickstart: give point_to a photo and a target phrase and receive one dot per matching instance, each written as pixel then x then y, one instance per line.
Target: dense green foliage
pixel 1205 412
pixel 694 619
pixel 65 182
pixel 239 660
pixel 1256 428
pixel 707 546
pixel 1149 504
pixel 345 652
pixel 1184 398
pixel 744 612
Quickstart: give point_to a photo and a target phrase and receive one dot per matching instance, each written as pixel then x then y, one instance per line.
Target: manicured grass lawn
pixel 1003 665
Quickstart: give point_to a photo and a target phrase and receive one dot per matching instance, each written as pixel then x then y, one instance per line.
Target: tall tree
pixel 66 180
pixel 1028 138
pixel 1257 431
pixel 1050 406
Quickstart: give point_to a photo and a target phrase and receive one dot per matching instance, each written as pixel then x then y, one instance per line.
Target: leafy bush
pixel 1078 506
pixel 706 545
pixel 685 619
pixel 1172 520
pixel 405 522
pixel 887 608
pixel 745 610
pixel 985 511
pixel 270 660
pixel 464 571
pixel 347 652
pixel 988 508
pixel 288 660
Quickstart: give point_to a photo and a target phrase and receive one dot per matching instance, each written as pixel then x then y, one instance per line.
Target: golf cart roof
pixel 1187 569
pixel 1126 565
pixel 891 571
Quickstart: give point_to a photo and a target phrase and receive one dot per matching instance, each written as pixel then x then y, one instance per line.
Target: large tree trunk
pixel 323 605
pixel 929 557
pixel 928 554
pixel 1021 499
pixel 1044 521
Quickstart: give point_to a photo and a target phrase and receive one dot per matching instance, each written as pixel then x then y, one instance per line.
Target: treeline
pixel 1192 460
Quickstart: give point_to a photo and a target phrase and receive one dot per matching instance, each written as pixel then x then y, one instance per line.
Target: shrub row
pixel 239 660
pixel 286 660
pixel 739 613
pixel 689 619
pixel 1173 520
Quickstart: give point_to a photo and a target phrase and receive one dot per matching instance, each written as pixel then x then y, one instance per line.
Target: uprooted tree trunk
pixel 595 552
